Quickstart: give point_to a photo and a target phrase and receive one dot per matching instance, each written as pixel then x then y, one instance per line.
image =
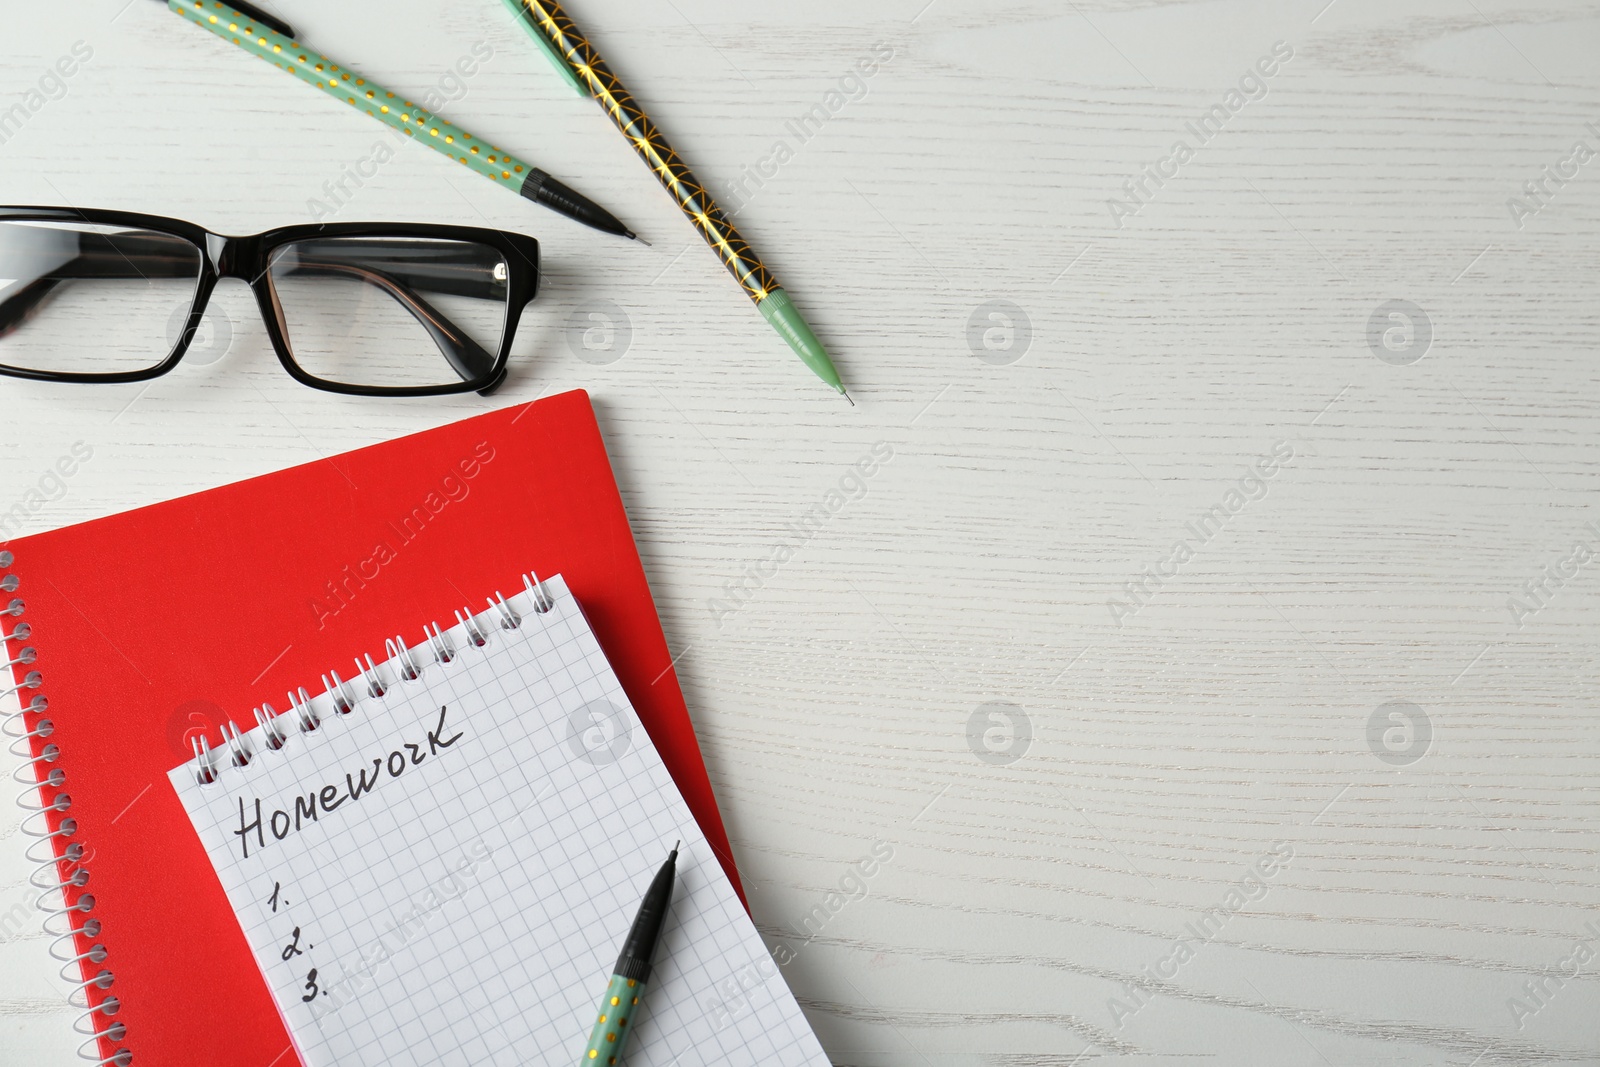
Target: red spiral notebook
pixel 153 625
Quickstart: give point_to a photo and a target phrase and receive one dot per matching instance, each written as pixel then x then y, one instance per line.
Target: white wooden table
pixel 1318 678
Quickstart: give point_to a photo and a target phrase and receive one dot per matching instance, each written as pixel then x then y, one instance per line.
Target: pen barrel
pixel 353 90
pixel 547 18
pixel 610 1034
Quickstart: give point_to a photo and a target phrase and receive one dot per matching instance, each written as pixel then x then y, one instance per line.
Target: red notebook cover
pixel 154 624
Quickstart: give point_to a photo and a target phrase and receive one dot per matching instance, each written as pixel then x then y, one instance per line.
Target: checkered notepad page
pixel 445 874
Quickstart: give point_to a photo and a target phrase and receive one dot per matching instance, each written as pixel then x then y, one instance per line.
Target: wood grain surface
pixel 1169 645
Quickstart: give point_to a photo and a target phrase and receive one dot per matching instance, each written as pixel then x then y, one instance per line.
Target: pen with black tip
pixel 628 978
pixel 273 40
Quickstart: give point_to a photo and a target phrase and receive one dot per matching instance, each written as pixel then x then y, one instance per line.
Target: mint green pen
pixel 620 1003
pixel 273 40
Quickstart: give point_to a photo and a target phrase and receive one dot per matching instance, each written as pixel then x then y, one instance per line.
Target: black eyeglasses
pixel 374 309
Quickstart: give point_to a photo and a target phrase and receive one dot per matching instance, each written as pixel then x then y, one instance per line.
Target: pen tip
pixel 846 395
pixel 630 235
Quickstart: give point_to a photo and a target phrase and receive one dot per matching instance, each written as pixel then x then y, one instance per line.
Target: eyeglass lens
pixel 391 311
pixel 81 298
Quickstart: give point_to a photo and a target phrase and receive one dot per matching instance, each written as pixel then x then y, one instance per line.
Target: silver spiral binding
pixel 301 703
pixel 271 731
pixel 402 661
pixel 337 692
pixel 48 754
pixel 369 674
pixel 236 744
pixel 96 954
pixel 202 757
pixel 66 828
pixel 90 928
pixel 542 600
pixel 401 654
pixel 60 872
pixel 470 624
pixel 509 620
pixel 442 652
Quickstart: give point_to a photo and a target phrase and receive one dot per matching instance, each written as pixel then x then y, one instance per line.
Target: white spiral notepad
pixel 442 868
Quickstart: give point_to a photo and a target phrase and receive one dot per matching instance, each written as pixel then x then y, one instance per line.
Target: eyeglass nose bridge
pixel 234 257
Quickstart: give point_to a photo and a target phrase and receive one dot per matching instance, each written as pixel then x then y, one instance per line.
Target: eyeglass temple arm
pixel 469 359
pixel 19 307
pixel 131 256
pixel 457 269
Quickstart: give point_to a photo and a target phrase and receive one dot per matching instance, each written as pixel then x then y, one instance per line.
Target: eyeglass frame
pixel 248 258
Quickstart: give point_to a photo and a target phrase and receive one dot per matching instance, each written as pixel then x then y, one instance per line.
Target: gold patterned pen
pixel 578 62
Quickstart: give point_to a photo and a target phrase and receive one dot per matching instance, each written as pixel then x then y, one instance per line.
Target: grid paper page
pixel 445 874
